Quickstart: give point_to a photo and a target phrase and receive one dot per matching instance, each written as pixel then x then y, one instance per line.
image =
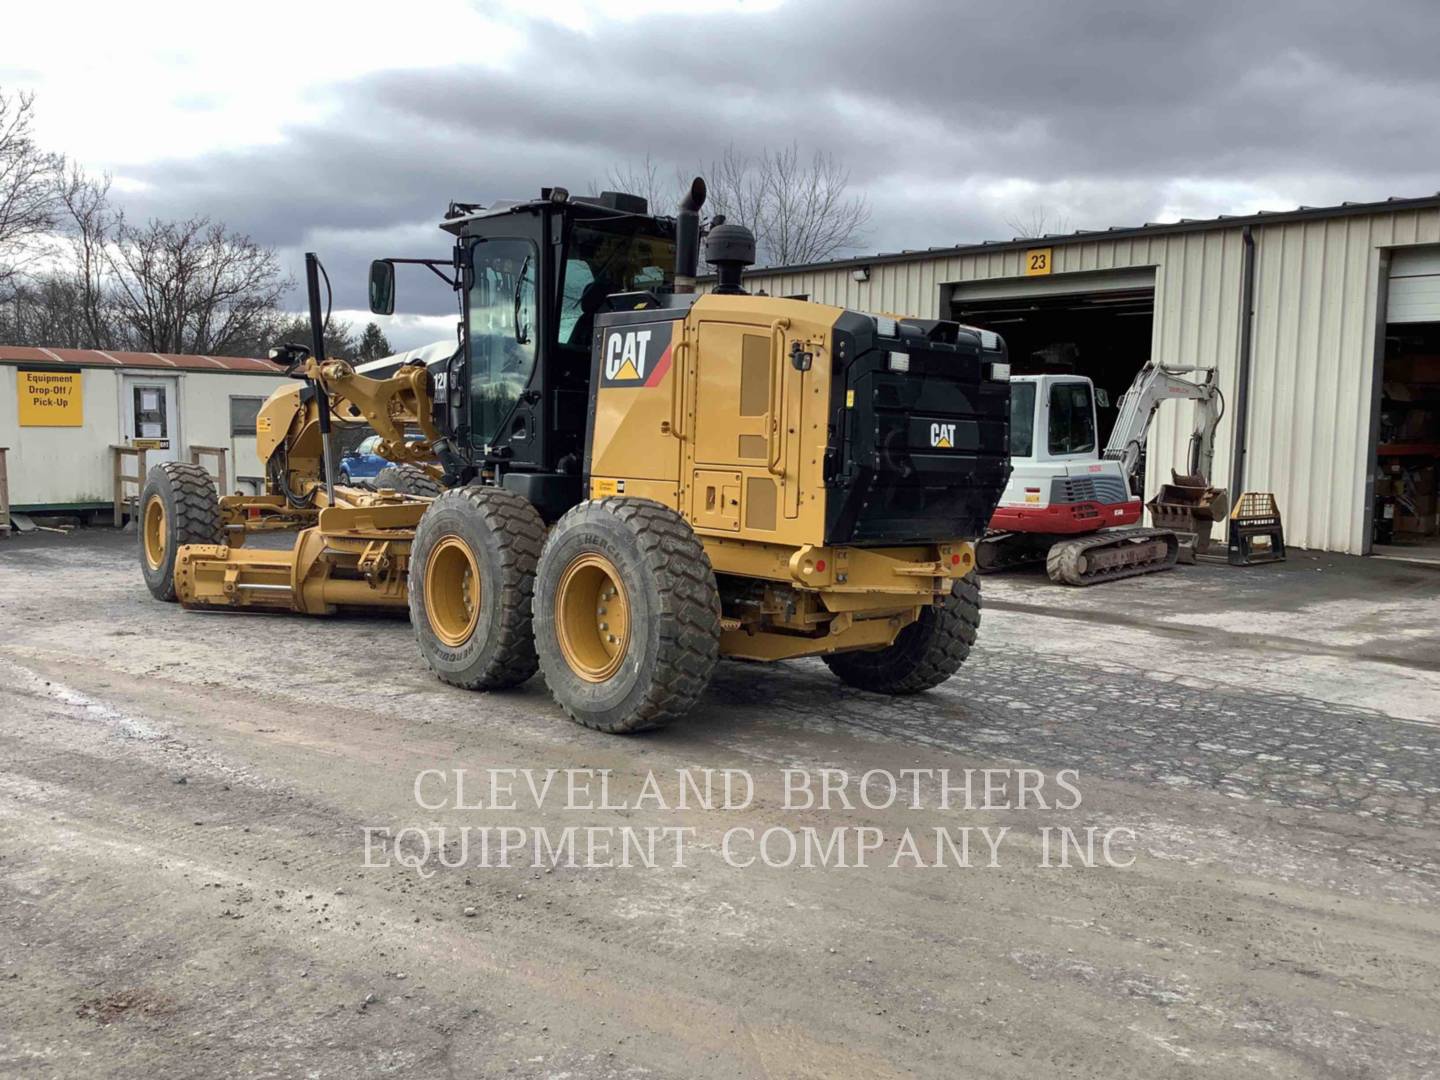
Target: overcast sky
pixel 347 127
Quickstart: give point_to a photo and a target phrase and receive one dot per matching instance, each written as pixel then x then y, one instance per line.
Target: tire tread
pixel 690 645
pixel 910 667
pixel 522 534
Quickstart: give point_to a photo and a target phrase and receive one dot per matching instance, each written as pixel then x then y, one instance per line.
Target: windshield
pixel 1072 419
pixel 607 258
pixel 1022 419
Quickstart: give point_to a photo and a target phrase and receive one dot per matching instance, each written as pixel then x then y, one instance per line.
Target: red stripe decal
pixel 661 367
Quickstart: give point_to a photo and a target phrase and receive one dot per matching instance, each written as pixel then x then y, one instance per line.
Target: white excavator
pixel 1078 509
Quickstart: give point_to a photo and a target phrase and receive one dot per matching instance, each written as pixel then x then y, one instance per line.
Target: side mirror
pixel 382 287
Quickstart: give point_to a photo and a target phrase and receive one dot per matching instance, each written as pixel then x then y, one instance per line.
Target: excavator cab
pixel 1058 482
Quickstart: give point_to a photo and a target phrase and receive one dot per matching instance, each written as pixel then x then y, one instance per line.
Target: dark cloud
pixel 951 117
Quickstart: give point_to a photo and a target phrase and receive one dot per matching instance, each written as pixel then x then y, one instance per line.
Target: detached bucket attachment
pixel 1256 535
pixel 1189 506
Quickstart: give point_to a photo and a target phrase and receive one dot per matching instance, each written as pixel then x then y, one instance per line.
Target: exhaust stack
pixel 687 236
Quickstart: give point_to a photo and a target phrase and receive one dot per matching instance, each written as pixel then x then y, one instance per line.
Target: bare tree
pixel 1037 222
pixel 28 184
pixel 193 286
pixel 647 179
pixel 89 226
pixel 800 208
pixel 44 310
pixel 805 212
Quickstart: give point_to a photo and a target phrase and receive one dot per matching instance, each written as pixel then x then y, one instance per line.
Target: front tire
pixel 924 654
pixel 627 615
pixel 408 479
pixel 177 506
pixel 472 575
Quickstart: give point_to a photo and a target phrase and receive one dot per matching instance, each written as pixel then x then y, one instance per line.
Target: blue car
pixel 363 463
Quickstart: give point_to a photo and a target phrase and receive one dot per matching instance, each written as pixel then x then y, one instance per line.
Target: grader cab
pixel 640 479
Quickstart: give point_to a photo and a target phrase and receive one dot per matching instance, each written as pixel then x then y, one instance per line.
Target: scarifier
pixel 640 479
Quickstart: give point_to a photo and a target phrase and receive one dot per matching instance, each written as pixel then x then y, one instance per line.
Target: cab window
pixel 603 259
pixel 500 309
pixel 1072 419
pixel 1022 419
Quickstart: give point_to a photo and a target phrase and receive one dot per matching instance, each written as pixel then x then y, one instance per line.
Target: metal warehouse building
pixel 62 411
pixel 1323 323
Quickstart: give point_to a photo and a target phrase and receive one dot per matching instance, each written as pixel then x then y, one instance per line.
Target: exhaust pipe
pixel 687 236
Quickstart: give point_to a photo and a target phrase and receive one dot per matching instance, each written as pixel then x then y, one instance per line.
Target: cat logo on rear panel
pixel 942 436
pixel 635 355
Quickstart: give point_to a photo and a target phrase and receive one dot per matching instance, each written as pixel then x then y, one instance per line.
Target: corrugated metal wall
pixel 1315 322
pixel 1313 350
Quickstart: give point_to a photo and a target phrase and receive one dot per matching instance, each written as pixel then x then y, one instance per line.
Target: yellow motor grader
pixel 639 479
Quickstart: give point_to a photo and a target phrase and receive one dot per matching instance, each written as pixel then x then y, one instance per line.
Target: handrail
pixel 775 418
pixel 117 453
pixel 217 452
pixel 679 357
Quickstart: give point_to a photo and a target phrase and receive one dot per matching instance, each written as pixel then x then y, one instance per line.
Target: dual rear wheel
pixel 618 607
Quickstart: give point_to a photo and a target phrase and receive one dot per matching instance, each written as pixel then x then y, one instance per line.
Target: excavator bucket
pixel 1189 506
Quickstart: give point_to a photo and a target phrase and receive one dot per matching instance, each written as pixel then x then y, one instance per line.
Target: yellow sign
pixel 50 398
pixel 1037 261
pixel 150 444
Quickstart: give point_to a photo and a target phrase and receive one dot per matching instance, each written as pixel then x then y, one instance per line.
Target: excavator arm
pixel 1156 383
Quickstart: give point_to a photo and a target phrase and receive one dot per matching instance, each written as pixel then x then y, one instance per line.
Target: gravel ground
pixel 184 888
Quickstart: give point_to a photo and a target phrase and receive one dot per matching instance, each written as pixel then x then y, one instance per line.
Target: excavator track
pixel 1111 555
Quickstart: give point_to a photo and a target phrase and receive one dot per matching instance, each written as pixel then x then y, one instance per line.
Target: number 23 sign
pixel 1037 261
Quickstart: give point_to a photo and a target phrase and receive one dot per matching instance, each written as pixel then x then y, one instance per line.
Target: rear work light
pixel 899 361
pixel 999 372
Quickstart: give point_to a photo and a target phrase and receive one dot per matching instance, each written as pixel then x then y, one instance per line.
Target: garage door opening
pixel 1407 451
pixel 1102 333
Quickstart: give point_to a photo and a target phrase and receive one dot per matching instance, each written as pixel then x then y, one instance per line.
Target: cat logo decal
pixel 635 356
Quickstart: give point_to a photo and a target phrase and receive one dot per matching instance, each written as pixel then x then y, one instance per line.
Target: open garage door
pixel 1098 325
pixel 1406 510
pixel 1414 294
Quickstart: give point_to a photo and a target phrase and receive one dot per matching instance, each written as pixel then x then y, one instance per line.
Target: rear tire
pixel 627 615
pixel 924 654
pixel 177 506
pixel 472 576
pixel 409 479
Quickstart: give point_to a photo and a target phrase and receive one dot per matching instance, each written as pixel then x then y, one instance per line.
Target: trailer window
pixel 1072 419
pixel 243 411
pixel 1022 419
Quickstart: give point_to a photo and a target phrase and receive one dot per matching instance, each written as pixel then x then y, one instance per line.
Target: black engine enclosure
pixel 890 478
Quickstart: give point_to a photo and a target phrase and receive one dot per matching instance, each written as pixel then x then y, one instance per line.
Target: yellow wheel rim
pixel 156 532
pixel 592 617
pixel 452 591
